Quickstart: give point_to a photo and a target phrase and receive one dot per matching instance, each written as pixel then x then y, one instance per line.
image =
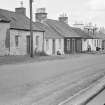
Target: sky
pixel 83 11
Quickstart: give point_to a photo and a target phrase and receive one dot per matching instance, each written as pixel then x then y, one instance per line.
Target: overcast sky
pixel 77 10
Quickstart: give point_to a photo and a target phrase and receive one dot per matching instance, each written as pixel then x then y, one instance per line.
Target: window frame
pixel 68 44
pixel 17 40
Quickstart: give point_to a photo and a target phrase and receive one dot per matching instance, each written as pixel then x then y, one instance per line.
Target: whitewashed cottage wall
pixel 48 46
pixel 60 45
pixel 92 42
pixel 4 29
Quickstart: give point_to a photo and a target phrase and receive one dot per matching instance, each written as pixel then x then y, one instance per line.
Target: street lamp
pixel 31 30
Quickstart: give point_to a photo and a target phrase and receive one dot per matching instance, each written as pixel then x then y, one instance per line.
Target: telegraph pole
pixel 31 30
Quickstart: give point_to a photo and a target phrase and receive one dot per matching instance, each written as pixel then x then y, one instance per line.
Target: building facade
pixel 4 37
pixel 15 34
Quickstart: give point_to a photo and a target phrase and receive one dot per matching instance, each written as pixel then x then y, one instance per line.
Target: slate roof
pixel 82 33
pixel 95 36
pixel 4 19
pixel 62 28
pixel 18 21
pixel 100 35
pixel 49 32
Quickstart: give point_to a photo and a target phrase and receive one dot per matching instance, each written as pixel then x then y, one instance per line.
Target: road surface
pixel 49 82
pixel 99 99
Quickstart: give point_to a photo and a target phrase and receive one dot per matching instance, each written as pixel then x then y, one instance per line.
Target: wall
pixel 49 48
pixel 74 46
pixel 59 47
pixel 92 42
pixel 103 44
pixel 22 47
pixel 4 38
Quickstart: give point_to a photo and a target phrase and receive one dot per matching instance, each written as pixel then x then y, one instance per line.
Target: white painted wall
pixel 92 42
pixel 60 47
pixel 49 48
pixel 4 27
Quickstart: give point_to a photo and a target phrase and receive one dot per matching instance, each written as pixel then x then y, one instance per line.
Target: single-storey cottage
pixel 53 42
pixel 68 41
pixel 87 41
pixel 90 42
pixel 15 33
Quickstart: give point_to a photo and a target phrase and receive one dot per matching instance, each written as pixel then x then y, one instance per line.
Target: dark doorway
pixel 28 44
pixel 78 45
pixel 53 46
pixel 73 46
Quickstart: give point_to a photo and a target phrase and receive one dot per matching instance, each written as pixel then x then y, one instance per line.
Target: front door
pixel 73 45
pixel 78 45
pixel 28 44
pixel 53 46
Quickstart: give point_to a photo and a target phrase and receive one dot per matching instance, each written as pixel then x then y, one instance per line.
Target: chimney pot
pixel 41 15
pixel 63 18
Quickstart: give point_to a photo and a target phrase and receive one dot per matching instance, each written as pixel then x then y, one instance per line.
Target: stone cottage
pixel 15 33
pixel 53 42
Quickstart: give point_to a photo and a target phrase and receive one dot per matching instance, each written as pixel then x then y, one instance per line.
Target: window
pixel 47 44
pixel 37 41
pixel 68 44
pixel 59 43
pixel 17 41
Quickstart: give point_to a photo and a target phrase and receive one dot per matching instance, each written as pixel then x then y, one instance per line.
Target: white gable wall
pixel 4 27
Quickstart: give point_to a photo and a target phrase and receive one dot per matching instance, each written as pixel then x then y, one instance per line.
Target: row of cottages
pixel 50 36
pixel 89 42
pixel 60 37
pixel 15 33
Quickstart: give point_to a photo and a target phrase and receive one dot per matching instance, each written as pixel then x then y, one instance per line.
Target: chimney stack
pixel 63 18
pixel 40 15
pixel 20 10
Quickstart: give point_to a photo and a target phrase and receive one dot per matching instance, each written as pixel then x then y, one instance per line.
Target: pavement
pixel 49 82
pixel 87 94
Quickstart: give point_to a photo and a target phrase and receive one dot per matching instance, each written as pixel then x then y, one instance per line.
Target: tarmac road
pixel 52 79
